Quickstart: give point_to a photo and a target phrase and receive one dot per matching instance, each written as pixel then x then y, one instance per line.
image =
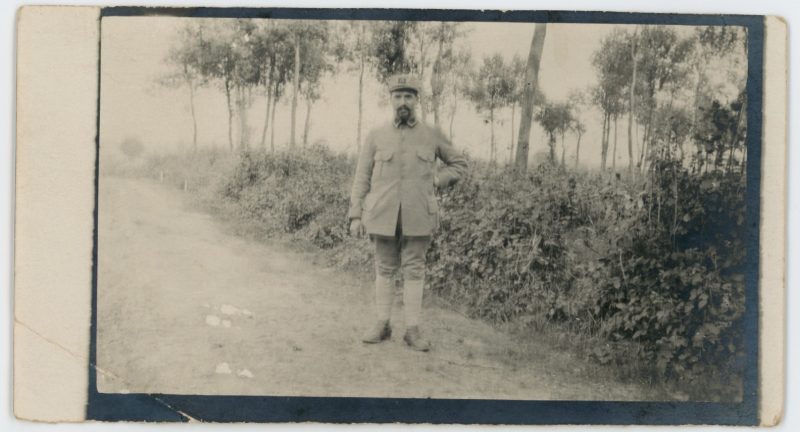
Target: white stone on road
pixel 245 373
pixel 229 310
pixel 212 320
pixel 223 368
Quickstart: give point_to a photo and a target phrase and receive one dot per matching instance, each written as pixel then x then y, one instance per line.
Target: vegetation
pixel 641 263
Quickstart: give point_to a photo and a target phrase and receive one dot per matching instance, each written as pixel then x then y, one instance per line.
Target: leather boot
pixel 378 333
pixel 415 341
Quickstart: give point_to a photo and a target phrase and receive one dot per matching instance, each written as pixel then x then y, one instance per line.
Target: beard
pixel 403 112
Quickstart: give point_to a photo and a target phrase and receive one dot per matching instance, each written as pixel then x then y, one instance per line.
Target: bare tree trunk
pixel 436 77
pixel 675 205
pixel 242 109
pixel 194 116
pixel 491 141
pixel 607 143
pixel 455 108
pixel 648 138
pixel 230 115
pixel 632 101
pixel 268 103
pixel 421 95
pixel 603 145
pixel 641 147
pixel 511 151
pixel 696 103
pixel 563 151
pixel 272 130
pixel 296 86
pixel 643 152
pixel 531 86
pixel 578 150
pixel 360 100
pixel 614 152
pixel 308 122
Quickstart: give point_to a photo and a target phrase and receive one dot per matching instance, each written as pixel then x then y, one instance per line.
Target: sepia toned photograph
pixel 423 209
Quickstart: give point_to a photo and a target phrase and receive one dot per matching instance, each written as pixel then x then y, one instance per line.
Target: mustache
pixel 405 107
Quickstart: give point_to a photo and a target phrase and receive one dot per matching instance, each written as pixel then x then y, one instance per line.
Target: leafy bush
pixel 678 285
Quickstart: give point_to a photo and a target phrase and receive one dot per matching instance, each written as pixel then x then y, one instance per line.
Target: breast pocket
pixel 382 161
pixel 426 160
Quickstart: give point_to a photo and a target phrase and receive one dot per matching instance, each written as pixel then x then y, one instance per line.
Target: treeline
pixel 677 92
pixel 672 86
pixel 289 59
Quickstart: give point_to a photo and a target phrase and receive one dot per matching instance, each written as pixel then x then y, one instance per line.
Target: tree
pixel 352 44
pixel 565 121
pixel 418 46
pixel 281 78
pixel 517 79
pixel 267 41
pixel 490 90
pixel 632 97
pixel 311 94
pixel 223 70
pixel 456 84
pixel 389 54
pixel 721 129
pixel 223 52
pixel 531 87
pixel 273 52
pixel 246 75
pixel 577 101
pixel 185 58
pixel 579 128
pixel 662 65
pixel 555 119
pixel 444 36
pixel 609 94
pixel 722 48
pixel 315 63
pixel 309 46
pixel 405 47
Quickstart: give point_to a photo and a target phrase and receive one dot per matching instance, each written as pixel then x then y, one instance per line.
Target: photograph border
pixel 169 407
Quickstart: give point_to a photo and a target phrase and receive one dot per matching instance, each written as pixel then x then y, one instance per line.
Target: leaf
pixel 703 301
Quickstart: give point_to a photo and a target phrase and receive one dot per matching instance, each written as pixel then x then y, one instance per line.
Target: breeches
pixel 401 252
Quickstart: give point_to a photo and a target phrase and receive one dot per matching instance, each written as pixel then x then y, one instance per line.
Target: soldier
pixel 393 201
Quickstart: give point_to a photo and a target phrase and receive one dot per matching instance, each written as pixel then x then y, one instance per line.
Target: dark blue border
pixel 163 407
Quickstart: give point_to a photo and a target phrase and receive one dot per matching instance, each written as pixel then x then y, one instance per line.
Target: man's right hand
pixel 356 228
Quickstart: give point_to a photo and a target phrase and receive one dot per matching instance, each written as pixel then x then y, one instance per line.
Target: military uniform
pixel 395 178
pixel 393 195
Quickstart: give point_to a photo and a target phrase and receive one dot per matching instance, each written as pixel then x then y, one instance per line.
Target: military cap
pixel 404 82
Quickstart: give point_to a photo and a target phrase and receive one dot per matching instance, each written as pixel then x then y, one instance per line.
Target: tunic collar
pixel 412 121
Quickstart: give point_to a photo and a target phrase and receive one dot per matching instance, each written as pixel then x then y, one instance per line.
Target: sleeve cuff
pixel 355 212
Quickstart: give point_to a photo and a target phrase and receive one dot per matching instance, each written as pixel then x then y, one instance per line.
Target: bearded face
pixel 404 103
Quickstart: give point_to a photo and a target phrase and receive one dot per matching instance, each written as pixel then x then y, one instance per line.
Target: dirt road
pixel 185 308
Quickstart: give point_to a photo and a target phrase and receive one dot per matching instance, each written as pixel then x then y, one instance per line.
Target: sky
pixel 134 106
